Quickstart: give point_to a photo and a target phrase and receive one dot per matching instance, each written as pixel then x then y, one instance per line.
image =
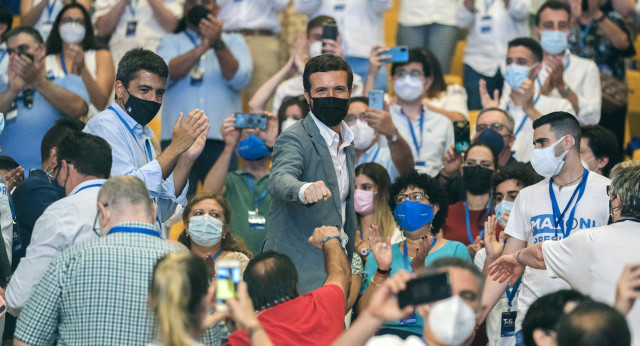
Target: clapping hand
pixel 475 247
pixel 627 289
pixel 424 245
pixel 381 251
pixel 506 267
pixel 493 245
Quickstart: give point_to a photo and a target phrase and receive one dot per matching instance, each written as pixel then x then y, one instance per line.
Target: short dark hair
pixel 319 21
pixel 603 143
pixel 361 99
pixel 6 17
pixel 532 45
pixel 553 5
pixel 546 311
pixel 89 154
pixel 432 189
pixel 325 63
pixel 415 55
pixel 54 41
pixel 524 174
pixel 561 124
pixel 455 262
pixel 137 60
pixel 493 153
pixel 299 101
pixel 593 323
pixel 24 30
pixel 57 133
pixel 271 278
pixel 8 163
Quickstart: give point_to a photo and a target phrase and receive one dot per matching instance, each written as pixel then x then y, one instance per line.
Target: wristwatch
pixel 219 45
pixel 564 92
pixel 393 137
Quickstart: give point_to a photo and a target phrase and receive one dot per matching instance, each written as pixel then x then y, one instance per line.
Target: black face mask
pixel 330 110
pixel 477 179
pixel 142 111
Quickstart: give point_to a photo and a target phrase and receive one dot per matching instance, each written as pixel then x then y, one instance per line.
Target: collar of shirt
pixel 137 224
pixel 142 132
pixel 331 136
pixel 87 183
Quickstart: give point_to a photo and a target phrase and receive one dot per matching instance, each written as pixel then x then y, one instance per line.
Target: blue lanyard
pixel 13 211
pixel 413 134
pixel 405 256
pixel 512 293
pixel 256 199
pixel 132 134
pixel 139 230
pixel 87 187
pixel 132 8
pixel 191 38
pixel 583 35
pixel 466 214
pixel 50 7
pixel 4 52
pixel 524 120
pixel 375 155
pixel 64 65
pixel 487 6
pixel 217 254
pixel 558 218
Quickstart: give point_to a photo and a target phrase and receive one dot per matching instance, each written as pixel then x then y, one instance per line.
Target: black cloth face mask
pixel 142 111
pixel 477 179
pixel 330 110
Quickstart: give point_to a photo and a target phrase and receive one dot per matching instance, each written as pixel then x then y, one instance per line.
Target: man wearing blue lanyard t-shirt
pixel 207 69
pixel 140 83
pixel 83 164
pixel 570 199
pixel 521 97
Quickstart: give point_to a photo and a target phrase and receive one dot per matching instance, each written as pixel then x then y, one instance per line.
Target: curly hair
pixel 432 189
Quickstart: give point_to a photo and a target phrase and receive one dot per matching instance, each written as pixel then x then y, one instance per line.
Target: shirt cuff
pixel 545 254
pixel 301 198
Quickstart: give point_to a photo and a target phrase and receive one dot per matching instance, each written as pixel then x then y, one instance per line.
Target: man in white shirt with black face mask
pixel 565 75
pixel 430 134
pixel 569 200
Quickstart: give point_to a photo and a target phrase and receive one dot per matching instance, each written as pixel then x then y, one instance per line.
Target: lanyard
pixel 50 6
pixel 413 134
pixel 132 134
pixel 406 255
pixel 62 62
pixel 191 38
pixel 375 155
pixel 512 293
pixel 4 52
pixel 13 210
pixel 524 119
pixel 466 215
pixel 138 230
pixel 558 218
pixel 256 199
pixel 583 35
pixel 132 9
pixel 487 6
pixel 217 254
pixel 87 187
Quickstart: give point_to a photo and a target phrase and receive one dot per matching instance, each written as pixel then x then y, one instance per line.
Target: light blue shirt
pixel 130 157
pixel 215 95
pixel 382 156
pixel 23 133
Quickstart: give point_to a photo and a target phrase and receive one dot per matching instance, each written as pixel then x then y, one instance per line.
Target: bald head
pixel 124 198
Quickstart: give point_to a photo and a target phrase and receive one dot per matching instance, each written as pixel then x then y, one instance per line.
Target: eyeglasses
pixel 79 21
pixel 416 197
pixel 484 164
pixel 353 117
pixel 96 226
pixel 497 126
pixel 412 73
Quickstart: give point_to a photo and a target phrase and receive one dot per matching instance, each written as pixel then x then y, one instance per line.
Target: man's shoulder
pixel 117 243
pixel 581 62
pixel 597 180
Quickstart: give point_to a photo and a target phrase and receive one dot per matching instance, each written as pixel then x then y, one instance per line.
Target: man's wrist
pixel 564 90
pixel 329 238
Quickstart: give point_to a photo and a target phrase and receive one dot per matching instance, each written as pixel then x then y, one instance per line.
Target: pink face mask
pixel 363 201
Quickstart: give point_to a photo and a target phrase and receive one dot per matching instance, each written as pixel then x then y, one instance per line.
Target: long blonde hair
pixel 383 218
pixel 177 290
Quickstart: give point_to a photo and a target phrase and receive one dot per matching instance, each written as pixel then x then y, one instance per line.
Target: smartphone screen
pixel 228 275
pixel 329 32
pixel 376 99
pixel 251 121
pixel 461 132
pixel 425 289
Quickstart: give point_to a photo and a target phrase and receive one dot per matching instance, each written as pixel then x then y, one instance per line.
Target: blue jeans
pixel 360 66
pixel 472 78
pixel 440 39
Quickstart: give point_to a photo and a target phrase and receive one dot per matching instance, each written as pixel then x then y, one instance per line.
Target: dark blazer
pixel 301 156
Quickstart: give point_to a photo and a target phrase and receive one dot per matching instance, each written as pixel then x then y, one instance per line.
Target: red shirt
pixel 455 227
pixel 317 318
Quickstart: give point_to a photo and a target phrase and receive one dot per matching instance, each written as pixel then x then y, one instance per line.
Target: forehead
pixel 144 77
pixel 521 52
pixel 508 185
pixel 293 109
pixel 363 179
pixel 73 13
pixel 549 14
pixel 207 204
pixel 410 189
pixel 410 66
pixel 328 79
pixel 357 107
pixel 491 117
pixel 20 39
pixel 544 131
pixel 463 280
pixel 315 32
pixel 480 153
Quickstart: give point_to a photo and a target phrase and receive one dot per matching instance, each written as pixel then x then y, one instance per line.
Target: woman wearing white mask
pixel 206 232
pixel 72 49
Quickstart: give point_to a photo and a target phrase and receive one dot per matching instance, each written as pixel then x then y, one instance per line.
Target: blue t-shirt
pixel 449 249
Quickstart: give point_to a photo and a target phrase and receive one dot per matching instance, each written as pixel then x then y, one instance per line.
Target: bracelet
pixel 254 329
pixel 329 238
pixel 375 283
pixel 384 273
pixel 518 257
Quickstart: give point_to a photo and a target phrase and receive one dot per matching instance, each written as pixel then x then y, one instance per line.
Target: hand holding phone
pixel 398 54
pixel 425 289
pixel 251 121
pixel 228 276
pixel 376 99
pixel 461 132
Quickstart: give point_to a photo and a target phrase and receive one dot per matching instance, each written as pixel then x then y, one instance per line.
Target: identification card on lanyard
pixel 508 321
pixel 257 221
pixel 132 24
pixel 197 72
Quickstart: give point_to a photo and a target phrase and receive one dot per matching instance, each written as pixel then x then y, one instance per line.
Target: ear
pixel 154 213
pixel 40 54
pixel 53 155
pixel 541 338
pixel 307 97
pixel 225 231
pixel 536 32
pixel 511 140
pixel 602 162
pixel 120 90
pixel 427 83
pixel 436 208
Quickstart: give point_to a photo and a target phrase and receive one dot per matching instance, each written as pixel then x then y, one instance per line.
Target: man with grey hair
pixel 600 253
pixel 449 321
pixel 96 291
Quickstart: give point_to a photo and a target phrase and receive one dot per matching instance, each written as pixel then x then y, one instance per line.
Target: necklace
pixel 560 186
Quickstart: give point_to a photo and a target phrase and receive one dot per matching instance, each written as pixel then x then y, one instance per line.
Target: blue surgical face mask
pixel 413 215
pixel 553 42
pixel 252 148
pixel 514 75
pixel 502 208
pixel 205 230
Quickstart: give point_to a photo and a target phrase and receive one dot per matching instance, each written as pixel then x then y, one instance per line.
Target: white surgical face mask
pixel 286 123
pixel 205 230
pixel 315 49
pixel 408 88
pixel 363 134
pixel 545 162
pixel 451 320
pixel 72 33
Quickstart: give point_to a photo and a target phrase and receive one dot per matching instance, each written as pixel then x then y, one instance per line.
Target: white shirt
pixel 6 219
pixel 491 27
pixel 393 340
pixel 361 22
pixel 583 78
pixel 523 145
pixel 295 87
pixel 339 158
pixel 430 143
pixel 531 221
pixel 65 222
pixel 592 262
pixel 54 69
pixel 48 16
pixel 382 156
pixel 148 31
pixel 453 99
pixel 4 64
pixel 424 12
pixel 263 14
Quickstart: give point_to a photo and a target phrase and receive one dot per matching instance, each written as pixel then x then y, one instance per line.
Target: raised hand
pixel 14 177
pixel 485 98
pixel 376 61
pixel 381 251
pixel 506 267
pixel 384 302
pixel 527 89
pixel 493 244
pixel 417 263
pixel 211 29
pixel 321 233
pixel 230 134
pixel 242 311
pixel 270 134
pixel 380 121
pixel 317 191
pixel 627 288
pixel 198 145
pixel 451 162
pixel 332 47
pixel 187 129
pixel 75 54
pixel 475 247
